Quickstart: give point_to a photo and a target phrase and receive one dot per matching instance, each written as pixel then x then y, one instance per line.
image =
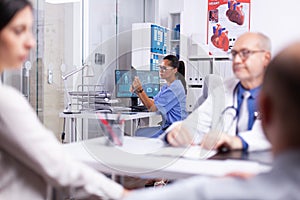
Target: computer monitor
pixel 123 80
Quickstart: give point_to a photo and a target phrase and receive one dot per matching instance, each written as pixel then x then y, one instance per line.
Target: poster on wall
pixel 227 19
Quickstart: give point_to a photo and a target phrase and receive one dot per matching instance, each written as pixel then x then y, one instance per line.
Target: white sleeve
pixel 255 138
pixel 200 120
pixel 197 123
pixel 206 116
pixel 26 139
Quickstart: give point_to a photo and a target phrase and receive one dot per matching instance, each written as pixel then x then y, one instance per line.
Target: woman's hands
pixel 138 89
pixel 136 85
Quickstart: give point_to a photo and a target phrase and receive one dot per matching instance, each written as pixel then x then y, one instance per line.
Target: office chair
pixel 211 81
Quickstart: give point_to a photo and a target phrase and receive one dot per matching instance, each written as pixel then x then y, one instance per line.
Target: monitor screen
pixel 123 80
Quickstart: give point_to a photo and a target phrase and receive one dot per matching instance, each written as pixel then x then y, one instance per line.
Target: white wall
pixel 276 19
pixel 166 7
pixel 194 19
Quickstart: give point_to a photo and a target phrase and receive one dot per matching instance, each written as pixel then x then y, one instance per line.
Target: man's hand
pixel 242 175
pixel 179 136
pixel 224 141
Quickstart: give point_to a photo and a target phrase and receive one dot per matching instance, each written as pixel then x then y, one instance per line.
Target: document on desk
pixel 194 152
pixel 218 167
pixel 155 146
pixel 141 145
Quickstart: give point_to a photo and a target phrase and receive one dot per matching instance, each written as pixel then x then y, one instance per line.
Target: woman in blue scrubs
pixel 170 102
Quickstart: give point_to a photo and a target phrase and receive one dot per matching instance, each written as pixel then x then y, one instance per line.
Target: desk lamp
pixel 89 72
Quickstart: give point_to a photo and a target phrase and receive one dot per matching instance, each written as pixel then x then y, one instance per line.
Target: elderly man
pixel 238 96
pixel 280 109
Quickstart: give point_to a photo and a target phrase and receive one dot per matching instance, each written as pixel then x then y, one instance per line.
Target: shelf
pixel 174 27
pixel 208 57
pixel 159 54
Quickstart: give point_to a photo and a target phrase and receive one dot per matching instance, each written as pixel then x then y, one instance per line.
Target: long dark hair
pixel 173 60
pixel 181 74
pixel 9 8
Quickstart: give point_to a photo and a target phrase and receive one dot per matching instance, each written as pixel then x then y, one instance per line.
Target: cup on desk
pixel 115 134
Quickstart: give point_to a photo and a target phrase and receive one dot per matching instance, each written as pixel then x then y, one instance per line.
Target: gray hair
pixel 264 41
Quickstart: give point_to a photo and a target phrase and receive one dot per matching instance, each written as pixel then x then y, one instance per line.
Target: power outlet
pixel 99 58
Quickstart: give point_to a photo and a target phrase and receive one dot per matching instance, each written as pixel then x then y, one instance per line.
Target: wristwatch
pixel 139 91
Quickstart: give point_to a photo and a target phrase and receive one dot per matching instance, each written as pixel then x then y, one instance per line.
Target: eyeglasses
pixel 244 53
pixel 164 68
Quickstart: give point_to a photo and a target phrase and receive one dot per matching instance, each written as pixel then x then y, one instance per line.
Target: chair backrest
pixel 211 81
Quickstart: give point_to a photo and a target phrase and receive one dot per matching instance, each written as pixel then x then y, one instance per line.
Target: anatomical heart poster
pixel 227 19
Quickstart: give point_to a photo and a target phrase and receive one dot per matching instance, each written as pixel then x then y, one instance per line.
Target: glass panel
pixel 110 24
pixel 100 47
pixel 68 35
pixel 129 12
pixel 109 33
pixel 102 40
pixel 58 51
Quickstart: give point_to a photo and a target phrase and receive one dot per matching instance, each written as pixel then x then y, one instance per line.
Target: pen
pixel 118 118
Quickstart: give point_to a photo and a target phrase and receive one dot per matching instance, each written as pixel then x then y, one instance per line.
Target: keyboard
pixel 139 108
pixel 120 108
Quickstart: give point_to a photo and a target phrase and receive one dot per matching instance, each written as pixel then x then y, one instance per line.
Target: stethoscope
pixel 232 111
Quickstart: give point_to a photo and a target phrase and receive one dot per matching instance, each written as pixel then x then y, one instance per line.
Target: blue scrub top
pixel 171 103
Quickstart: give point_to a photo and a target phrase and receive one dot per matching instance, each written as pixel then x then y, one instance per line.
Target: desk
pixel 133 116
pixel 112 160
pixel 264 157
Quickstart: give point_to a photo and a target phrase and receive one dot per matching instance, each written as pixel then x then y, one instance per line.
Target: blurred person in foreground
pixel 32 161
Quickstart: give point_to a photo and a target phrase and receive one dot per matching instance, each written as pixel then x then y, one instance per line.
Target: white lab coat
pixel 207 117
pixel 32 161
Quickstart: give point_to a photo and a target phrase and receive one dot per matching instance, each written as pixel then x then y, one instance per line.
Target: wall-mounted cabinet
pixel 149 45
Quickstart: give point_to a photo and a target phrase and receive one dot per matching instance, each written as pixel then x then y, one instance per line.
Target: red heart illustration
pixel 220 38
pixel 235 13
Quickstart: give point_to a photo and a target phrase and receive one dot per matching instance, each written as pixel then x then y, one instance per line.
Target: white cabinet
pixel 198 68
